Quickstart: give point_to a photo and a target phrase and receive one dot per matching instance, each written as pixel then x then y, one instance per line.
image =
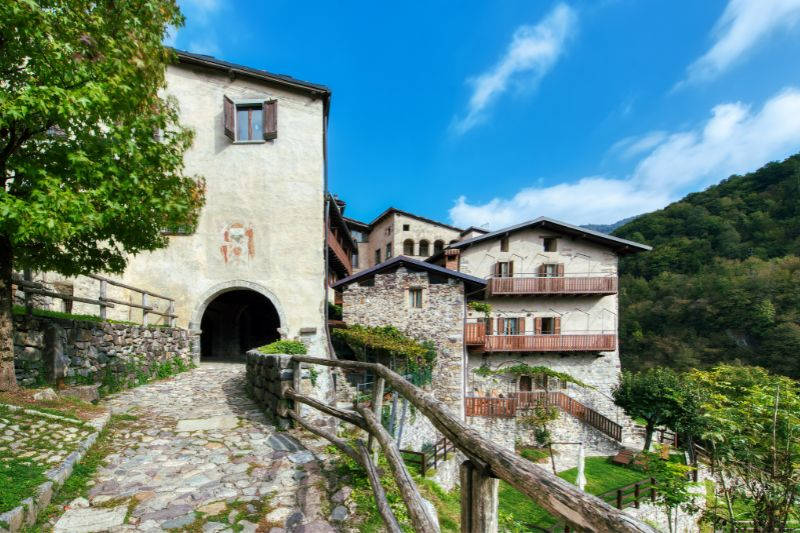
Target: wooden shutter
pixel 489 324
pixel 542 270
pixel 557 325
pixel 560 270
pixel 537 325
pixel 521 326
pixel 229 114
pixel 270 120
pixel 511 269
pixel 501 326
pixel 497 269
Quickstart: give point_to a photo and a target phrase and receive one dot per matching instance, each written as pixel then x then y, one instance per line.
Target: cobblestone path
pixel 202 457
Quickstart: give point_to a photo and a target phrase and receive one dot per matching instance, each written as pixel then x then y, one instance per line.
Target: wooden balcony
pixel 475 335
pixel 339 254
pixel 530 285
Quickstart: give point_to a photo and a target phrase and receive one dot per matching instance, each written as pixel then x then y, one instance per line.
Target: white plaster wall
pixel 276 188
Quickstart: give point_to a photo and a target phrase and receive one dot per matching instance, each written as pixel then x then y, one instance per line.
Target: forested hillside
pixel 723 280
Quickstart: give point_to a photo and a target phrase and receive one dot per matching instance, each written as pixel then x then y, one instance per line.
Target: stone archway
pixel 234 317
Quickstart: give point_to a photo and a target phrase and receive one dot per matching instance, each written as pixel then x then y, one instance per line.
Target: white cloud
pixel 742 25
pixel 733 140
pixel 532 52
pixel 630 147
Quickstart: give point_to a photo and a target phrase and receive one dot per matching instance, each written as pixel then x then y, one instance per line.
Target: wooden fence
pixel 30 288
pixel 427 460
pixel 487 462
pixel 507 408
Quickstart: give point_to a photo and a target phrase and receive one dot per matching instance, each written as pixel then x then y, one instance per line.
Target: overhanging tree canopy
pixel 91 157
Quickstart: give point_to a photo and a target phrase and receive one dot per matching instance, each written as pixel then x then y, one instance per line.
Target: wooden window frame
pixel 415 298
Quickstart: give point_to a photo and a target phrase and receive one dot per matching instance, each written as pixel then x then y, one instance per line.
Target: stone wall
pixel 440 320
pixel 77 351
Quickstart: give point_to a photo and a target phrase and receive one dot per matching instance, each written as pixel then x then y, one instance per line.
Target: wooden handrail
pixel 555 495
pixel 553 285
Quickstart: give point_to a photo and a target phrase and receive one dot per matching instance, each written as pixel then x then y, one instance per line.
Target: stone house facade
pixel 395 232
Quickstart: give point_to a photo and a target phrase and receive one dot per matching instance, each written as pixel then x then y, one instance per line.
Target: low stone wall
pixel 268 375
pixel 49 350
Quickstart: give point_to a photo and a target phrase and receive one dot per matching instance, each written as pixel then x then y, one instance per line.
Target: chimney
pixel 451 256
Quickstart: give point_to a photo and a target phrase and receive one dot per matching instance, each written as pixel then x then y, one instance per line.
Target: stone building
pixel 254 269
pixel 395 232
pixel 426 302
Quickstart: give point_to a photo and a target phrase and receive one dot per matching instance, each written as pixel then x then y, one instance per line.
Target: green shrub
pixel 334 311
pixel 284 346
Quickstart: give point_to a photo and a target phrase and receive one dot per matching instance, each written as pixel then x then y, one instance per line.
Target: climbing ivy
pixel 481 307
pixel 284 347
pixel 528 370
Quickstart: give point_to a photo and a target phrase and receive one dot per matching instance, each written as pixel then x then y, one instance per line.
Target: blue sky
pixel 490 113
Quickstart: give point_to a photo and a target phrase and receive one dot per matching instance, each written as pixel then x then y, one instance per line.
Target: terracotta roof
pixel 621 246
pixel 402 260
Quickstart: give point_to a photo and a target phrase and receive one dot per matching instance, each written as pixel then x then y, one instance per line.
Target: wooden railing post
pixel 653 489
pixel 144 309
pixel 171 311
pixel 103 296
pixel 636 495
pixel 619 498
pixel 478 500
pixel 377 408
pixel 297 376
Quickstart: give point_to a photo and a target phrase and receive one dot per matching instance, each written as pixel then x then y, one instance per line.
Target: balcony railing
pixel 522 284
pixel 475 335
pixel 338 251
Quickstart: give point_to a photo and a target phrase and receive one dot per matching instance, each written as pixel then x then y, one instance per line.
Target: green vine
pixel 527 370
pixel 481 307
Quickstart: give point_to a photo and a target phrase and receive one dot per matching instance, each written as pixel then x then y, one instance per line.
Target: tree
pixel 653 395
pixel 91 157
pixel 753 421
pixel 672 481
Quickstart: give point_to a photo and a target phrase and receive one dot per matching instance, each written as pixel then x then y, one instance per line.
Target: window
pixel 388 250
pixel 377 256
pixel 250 120
pixel 438 246
pixel 503 269
pixel 548 325
pixel 549 270
pixel 511 326
pixel 354 260
pixel 406 227
pixel 550 244
pixel 424 248
pixel 504 243
pixel 408 247
pixel 415 298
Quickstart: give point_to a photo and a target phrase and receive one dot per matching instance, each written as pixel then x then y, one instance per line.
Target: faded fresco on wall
pixel 238 244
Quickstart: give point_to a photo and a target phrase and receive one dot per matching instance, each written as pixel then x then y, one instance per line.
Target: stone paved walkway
pixel 202 457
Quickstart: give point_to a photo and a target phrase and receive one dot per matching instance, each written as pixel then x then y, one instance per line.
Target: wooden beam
pixel 422 521
pixel 362 458
pixel 347 416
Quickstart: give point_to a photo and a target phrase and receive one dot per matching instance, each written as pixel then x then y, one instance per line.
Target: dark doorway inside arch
pixel 235 322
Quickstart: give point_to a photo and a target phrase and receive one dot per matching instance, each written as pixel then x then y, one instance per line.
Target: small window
pixel 408 247
pixel 388 250
pixel 354 260
pixel 377 256
pixel 548 325
pixel 503 269
pixel 250 120
pixel 550 270
pixel 504 243
pixel 511 326
pixel 249 123
pixel 415 298
pixel 438 246
pixel 550 244
pixel 406 227
pixel 424 248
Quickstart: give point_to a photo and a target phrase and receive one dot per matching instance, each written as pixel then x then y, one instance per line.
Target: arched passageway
pixel 236 321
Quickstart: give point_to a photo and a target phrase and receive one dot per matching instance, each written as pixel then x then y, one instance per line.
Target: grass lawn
pixel 601 476
pixel 18 479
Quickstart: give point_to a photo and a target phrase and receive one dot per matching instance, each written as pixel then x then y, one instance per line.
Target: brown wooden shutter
pixel 497 269
pixel 270 120
pixel 489 324
pixel 560 270
pixel 557 325
pixel 537 325
pixel 229 114
pixel 542 270
pixel 511 269
pixel 501 329
pixel 521 326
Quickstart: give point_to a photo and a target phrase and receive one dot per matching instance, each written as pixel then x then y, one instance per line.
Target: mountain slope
pixel 723 280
